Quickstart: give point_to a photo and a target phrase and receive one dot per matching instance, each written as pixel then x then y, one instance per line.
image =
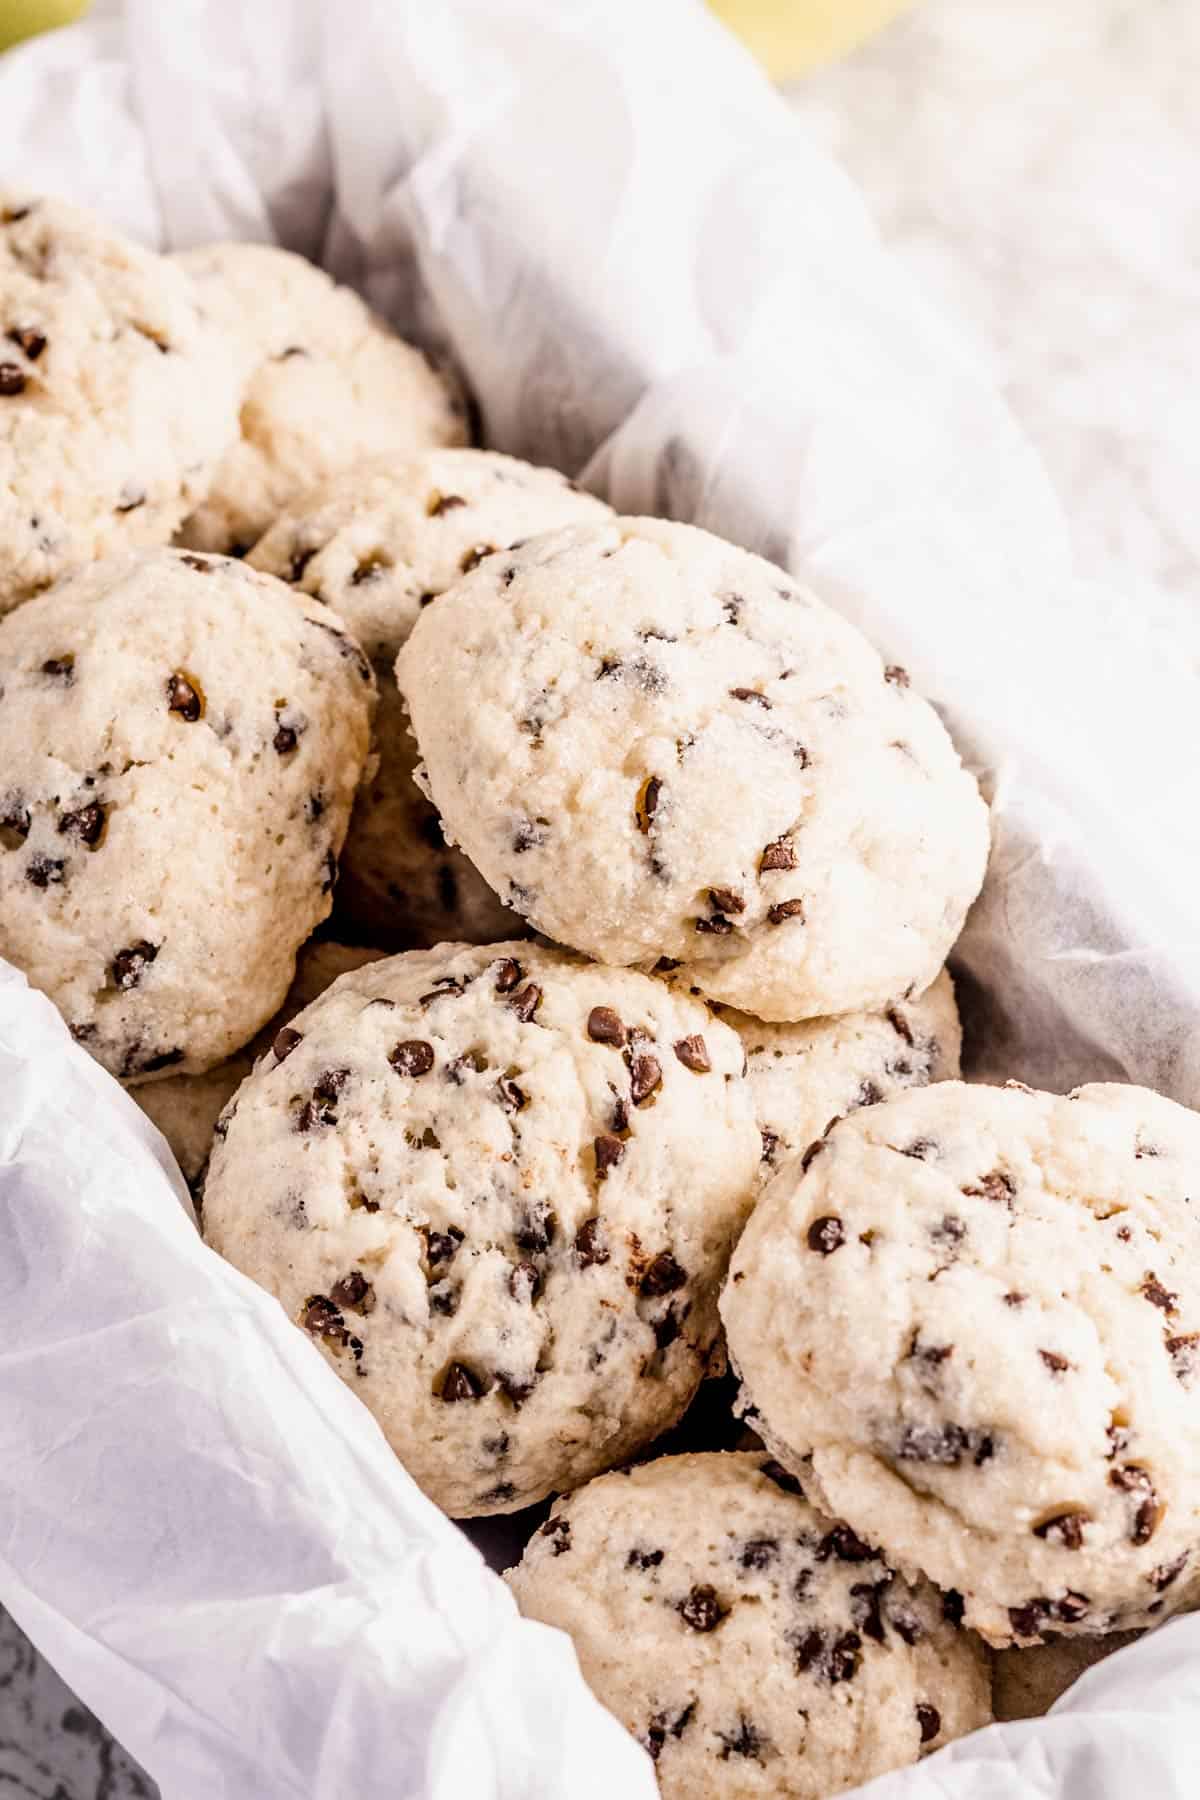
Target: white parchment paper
pixel 651 278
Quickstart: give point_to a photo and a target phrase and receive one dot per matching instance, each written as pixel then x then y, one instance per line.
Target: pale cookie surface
pixel 180 741
pixel 116 398
pixel 654 744
pixel 499 1187
pixel 974 1323
pixel 378 544
pixel 753 1645
pixel 186 1107
pixel 802 1077
pixel 326 383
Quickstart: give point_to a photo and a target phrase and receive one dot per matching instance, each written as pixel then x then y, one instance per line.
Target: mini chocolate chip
pixel 474 556
pixel 899 1024
pixel 726 900
pixel 130 498
pixel 460 1384
pixel 1057 1365
pixel 909 1628
pixel 996 1186
pixel 526 1002
pixel 758 1553
pixel 370 569
pixel 1166 1573
pixel 1065 1527
pixel 1183 1351
pixel 559 1532
pixel 15 825
pixel 717 926
pixel 60 669
pixel 512 1098
pixel 12 380
pixel 530 834
pixel 605 1027
pixel 314 1115
pixel 662 1275
pixel 693 1054
pixel 446 987
pixel 413 1057
pixel 441 1246
pixel 536 1228
pixel 1154 1291
pixel 320 1316
pixel 444 1297
pixel 619 1120
pixel 949 1232
pixel 27 339
pixel 330 1084
pixel 701 1609
pixel 508 973
pixel 300 562
pixel 149 1065
pixel 922 1149
pixel 1026 1621
pixel 844 1544
pixel 647 803
pixel 866 1607
pixel 644 1559
pixel 129 965
pixel 786 909
pixel 896 675
pixel 929 1719
pixel 588 1247
pixel 751 696
pixel 198 563
pixel 1015 1299
pixel 777 855
pixel 285 1042
pixel 770 1143
pixel 439 504
pixel 524 1283
pixel 1132 1479
pixel 354 1292
pixel 945 1445
pixel 285 739
pixel 609 1151
pixel 184 697
pixel 746 1741
pixel 826 1234
pixel 87 824
pixel 783 1478
pixel 645 1076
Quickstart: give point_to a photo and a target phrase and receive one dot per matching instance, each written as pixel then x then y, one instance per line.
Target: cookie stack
pixel 626 1044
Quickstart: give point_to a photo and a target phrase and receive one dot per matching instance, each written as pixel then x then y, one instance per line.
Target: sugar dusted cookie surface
pixel 116 398
pixel 499 1186
pixel 379 544
pixel 754 1646
pixel 973 1321
pixel 654 744
pixel 326 383
pixel 180 742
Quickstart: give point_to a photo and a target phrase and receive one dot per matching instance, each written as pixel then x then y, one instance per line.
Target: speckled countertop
pixel 1038 167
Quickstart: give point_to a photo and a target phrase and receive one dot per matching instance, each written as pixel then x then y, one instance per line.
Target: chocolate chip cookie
pixel 379 544
pixel 324 383
pixel 805 1076
pixel 753 1645
pixel 654 744
pixel 970 1318
pixel 498 1187
pixel 116 398
pixel 180 741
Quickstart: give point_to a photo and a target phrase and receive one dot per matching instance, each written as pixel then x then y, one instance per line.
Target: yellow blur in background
pixel 22 18
pixel 790 36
